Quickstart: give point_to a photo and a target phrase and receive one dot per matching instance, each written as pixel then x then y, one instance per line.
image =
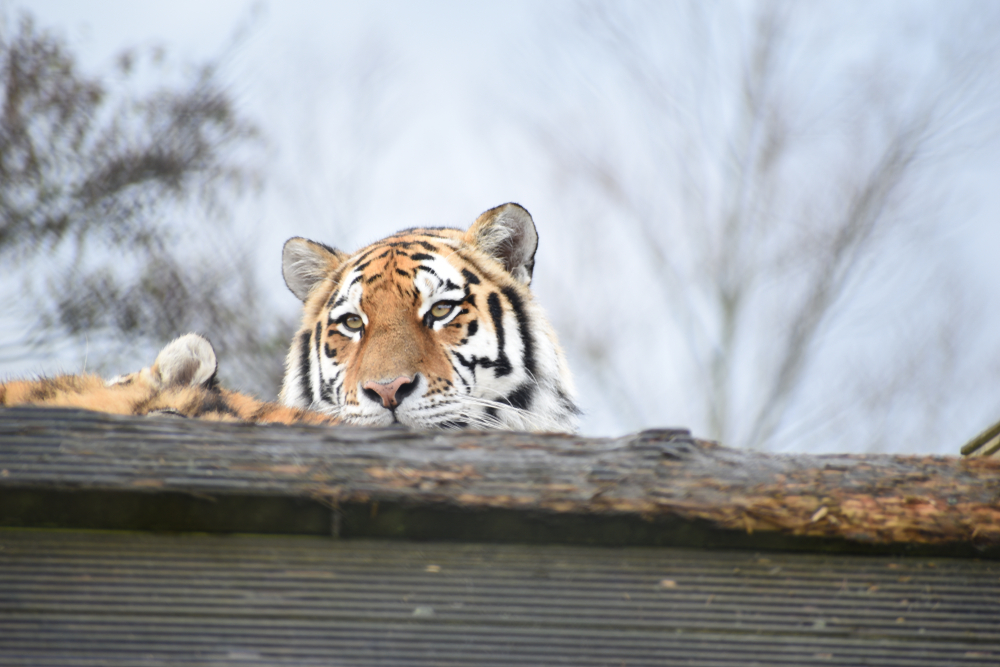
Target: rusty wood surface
pixel 74 468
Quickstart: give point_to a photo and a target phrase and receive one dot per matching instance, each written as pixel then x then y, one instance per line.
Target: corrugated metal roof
pixel 112 598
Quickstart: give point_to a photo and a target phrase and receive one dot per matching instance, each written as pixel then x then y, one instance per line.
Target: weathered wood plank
pixel 73 468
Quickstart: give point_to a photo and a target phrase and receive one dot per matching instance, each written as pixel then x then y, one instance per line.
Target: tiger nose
pixel 390 393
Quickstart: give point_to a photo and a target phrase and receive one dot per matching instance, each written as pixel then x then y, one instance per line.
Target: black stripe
pixel 260 412
pixel 304 384
pixel 335 281
pixel 332 251
pixel 428 270
pixel 319 365
pixel 471 365
pixel 421 256
pixel 365 254
pixel 523 327
pixel 502 365
pixel 521 397
pixel 471 277
pixel 567 403
pixel 337 382
pixel 472 262
pixel 46 389
pixel 454 368
pixel 216 404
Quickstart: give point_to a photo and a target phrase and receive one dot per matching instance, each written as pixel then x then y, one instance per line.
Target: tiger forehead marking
pixel 433 328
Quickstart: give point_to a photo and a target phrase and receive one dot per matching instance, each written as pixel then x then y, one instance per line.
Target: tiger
pixel 431 327
pixel 183 382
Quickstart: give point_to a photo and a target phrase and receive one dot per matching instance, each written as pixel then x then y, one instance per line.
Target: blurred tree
pixel 113 202
pixel 767 164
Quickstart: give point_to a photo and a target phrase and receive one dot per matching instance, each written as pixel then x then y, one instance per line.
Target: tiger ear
pixel 507 234
pixel 188 361
pixel 304 263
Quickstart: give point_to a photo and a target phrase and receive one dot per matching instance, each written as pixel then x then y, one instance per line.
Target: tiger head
pixel 431 328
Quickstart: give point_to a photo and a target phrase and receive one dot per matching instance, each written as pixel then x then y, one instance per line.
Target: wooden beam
pixel 80 469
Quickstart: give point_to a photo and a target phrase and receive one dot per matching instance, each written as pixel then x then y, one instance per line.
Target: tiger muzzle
pixel 392 393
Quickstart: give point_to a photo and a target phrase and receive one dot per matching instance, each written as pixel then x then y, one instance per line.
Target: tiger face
pixel 431 328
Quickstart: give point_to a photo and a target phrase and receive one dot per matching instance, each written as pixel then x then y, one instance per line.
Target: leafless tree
pixel 767 174
pixel 113 201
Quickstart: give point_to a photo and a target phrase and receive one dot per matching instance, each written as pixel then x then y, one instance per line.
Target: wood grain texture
pixel 75 468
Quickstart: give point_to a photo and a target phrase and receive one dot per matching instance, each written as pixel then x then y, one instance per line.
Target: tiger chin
pixel 432 327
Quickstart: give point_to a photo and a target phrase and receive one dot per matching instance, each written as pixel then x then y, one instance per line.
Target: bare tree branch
pixel 761 191
pixel 113 182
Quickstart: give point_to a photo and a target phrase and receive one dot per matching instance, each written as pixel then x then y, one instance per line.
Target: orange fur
pixel 179 383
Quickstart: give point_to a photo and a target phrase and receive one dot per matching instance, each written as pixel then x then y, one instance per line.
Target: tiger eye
pixel 353 322
pixel 441 310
